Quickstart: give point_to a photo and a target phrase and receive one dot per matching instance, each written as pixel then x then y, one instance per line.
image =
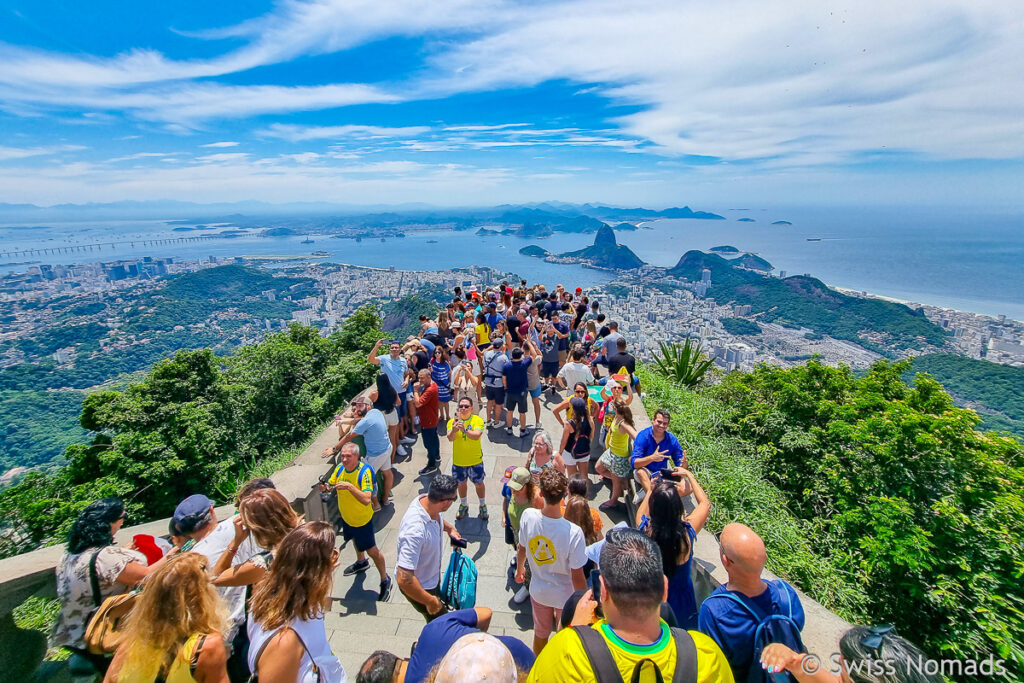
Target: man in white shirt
pixel 420 540
pixel 575 371
pixel 557 552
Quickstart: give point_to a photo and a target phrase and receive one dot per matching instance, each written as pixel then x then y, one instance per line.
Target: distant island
pixel 534 251
pixel 726 249
pixel 745 220
pixel 781 223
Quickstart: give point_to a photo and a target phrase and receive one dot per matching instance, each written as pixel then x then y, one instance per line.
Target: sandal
pixel 610 505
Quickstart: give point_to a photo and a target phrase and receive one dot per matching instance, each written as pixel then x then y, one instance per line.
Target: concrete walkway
pixel 358 624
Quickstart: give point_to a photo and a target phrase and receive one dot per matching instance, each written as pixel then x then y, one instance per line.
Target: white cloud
pixel 295 133
pixel 221 144
pixel 222 157
pixel 8 153
pixel 142 155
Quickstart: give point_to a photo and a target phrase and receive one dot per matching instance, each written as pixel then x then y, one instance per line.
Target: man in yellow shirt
pixel 632 634
pixel 353 480
pixel 464 432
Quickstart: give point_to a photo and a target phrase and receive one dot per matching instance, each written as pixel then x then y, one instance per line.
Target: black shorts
pixel 514 400
pixel 549 368
pixel 361 536
pixel 496 394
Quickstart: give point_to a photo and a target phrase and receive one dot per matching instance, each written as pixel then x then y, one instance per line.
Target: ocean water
pixel 958 259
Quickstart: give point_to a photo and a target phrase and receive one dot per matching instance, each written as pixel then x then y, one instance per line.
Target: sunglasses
pixel 580 392
pixel 463 406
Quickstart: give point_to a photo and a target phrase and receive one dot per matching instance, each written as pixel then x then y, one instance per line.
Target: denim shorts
pixel 475 473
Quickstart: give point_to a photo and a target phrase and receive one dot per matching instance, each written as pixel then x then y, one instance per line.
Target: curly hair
pixel 298 585
pixel 92 527
pixel 177 601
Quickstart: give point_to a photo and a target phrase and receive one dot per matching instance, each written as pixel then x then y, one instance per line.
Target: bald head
pixel 743 552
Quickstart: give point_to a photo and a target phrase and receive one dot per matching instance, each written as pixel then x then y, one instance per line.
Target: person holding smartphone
pixel 656 451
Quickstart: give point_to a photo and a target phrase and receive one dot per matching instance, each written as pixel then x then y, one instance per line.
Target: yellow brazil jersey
pixel 564 660
pixel 352 511
pixel 466 451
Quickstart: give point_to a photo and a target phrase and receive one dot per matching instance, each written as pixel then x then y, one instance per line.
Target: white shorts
pixel 379 463
pixel 391 419
pixel 570 460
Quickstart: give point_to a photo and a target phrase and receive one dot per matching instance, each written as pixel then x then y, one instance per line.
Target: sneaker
pixel 508 430
pixel 385 589
pixel 483 512
pixel 407 440
pixel 522 432
pixel 429 469
pixel 402 451
pixel 356 568
pixel 527 427
pixel 638 498
pixel 463 512
pixel 521 595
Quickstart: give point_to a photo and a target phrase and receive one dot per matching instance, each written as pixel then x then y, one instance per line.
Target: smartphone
pixel 595 585
pixel 671 476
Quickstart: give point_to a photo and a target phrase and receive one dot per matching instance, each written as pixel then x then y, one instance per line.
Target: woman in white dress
pixel 287 637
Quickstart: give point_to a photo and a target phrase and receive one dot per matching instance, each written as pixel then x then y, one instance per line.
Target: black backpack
pixel 607 671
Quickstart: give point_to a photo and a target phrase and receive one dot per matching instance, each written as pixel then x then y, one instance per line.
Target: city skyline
pixel 463 103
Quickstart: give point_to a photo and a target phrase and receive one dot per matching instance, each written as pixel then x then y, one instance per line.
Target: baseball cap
pixel 518 479
pixel 189 512
pixel 497 344
pixel 579 290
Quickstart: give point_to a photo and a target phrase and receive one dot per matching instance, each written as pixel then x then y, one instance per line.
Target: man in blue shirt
pixel 728 614
pixel 493 317
pixel 652 450
pixel 435 640
pixel 395 367
pixel 515 381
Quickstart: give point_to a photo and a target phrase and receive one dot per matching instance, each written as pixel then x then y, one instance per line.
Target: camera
pixel 325 479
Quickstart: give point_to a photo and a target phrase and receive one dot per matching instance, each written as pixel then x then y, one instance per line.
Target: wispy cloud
pixel 221 144
pixel 294 133
pixel 8 153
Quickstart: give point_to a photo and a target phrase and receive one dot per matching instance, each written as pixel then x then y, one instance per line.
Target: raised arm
pixel 373 353
pixel 699 517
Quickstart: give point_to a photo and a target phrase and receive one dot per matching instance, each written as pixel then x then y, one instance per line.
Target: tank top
pixel 579 439
pixel 314 637
pixel 618 443
pixel 483 334
pixel 681 595
pixel 536 469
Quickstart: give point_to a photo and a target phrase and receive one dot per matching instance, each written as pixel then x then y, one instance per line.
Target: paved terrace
pixel 357 623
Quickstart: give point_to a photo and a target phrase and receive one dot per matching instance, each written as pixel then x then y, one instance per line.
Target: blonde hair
pixel 298 585
pixel 177 602
pixel 622 414
pixel 269 516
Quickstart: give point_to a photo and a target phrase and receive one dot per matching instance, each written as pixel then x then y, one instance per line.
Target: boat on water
pixel 813 239
pixel 431 241
pixel 307 241
pixel 383 240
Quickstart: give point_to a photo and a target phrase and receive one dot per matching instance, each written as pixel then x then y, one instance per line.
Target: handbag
pixel 106 626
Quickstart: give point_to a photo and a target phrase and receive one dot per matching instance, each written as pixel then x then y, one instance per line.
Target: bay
pixel 960 259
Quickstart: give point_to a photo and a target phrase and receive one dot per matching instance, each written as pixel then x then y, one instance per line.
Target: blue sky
pixel 480 102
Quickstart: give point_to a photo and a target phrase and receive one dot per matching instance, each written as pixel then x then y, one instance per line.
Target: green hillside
pixel 808 302
pixel 994 390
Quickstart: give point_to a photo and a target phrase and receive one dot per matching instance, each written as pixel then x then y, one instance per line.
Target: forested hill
pixel 995 391
pixel 196 422
pixel 807 302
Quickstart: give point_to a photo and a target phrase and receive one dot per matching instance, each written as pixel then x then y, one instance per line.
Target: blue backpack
pixel 771 628
pixel 458 589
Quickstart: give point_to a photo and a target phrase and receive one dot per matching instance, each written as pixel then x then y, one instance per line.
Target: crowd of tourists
pixel 244 598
